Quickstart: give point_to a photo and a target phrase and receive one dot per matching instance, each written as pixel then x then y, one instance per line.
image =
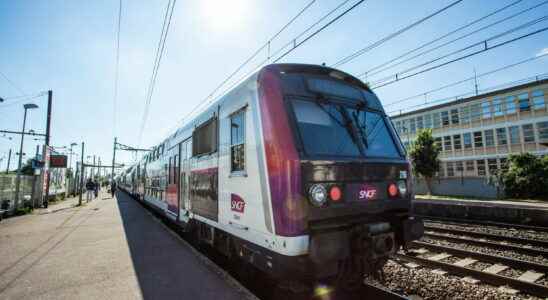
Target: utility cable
pixel 159 54
pixel 397 77
pixel 117 70
pixel 421 54
pixel 466 79
pixel 391 36
pixel 13 84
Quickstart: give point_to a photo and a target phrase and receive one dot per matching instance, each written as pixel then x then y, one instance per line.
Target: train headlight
pixel 402 187
pixel 318 195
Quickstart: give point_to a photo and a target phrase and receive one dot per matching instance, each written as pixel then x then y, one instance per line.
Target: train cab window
pixel 237 141
pixel 204 138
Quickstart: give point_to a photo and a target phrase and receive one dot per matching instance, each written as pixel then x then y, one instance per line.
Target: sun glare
pixel 224 14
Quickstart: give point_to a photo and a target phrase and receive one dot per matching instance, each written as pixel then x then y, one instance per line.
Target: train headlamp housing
pixel 402 188
pixel 317 195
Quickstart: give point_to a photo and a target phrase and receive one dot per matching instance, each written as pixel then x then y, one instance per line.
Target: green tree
pixel 27 168
pixel 424 157
pixel 526 176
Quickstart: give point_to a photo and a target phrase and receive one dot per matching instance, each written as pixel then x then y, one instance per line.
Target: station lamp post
pixel 18 178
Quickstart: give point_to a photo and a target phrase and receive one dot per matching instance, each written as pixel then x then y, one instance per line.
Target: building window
pixel 420 124
pixel 447 143
pixel 237 141
pixel 510 105
pixel 486 109
pixel 204 138
pixel 528 133
pixel 497 107
pixel 467 139
pixel 475 112
pixel 404 126
pixel 450 170
pixel 481 167
pixel 492 166
pixel 501 136
pixel 489 138
pixel 437 120
pixel 542 128
pixel 470 166
pixel 514 134
pixel 445 118
pixel 460 167
pixel 537 97
pixel 478 139
pixel 437 142
pixel 524 102
pixel 465 114
pixel 412 127
pixel 398 127
pixel 454 116
pixel 428 121
pixel 456 142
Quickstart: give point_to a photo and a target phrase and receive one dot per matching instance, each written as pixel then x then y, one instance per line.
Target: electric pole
pixel 81 176
pixel 113 158
pixel 9 160
pixel 46 147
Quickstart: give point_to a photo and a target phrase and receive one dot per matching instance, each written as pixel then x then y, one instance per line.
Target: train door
pixel 184 201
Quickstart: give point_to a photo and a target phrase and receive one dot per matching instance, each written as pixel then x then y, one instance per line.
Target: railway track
pixel 485 276
pixel 454 221
pixel 522 249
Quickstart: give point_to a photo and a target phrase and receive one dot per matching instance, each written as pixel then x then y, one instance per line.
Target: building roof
pixel 469 99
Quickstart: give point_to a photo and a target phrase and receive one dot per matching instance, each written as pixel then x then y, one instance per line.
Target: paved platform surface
pixel 107 249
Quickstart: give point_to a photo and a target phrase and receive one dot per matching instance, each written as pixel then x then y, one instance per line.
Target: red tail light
pixel 393 190
pixel 335 193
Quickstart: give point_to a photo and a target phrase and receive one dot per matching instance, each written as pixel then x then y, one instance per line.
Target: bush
pixel 424 155
pixel 526 176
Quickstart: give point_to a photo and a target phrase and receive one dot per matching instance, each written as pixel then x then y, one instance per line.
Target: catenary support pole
pixel 81 176
pixel 113 158
pixel 9 161
pixel 48 132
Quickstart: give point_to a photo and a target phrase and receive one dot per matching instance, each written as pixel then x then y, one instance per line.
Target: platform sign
pixel 57 161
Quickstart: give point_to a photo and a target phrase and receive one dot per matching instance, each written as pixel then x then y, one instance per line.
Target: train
pixel 297 171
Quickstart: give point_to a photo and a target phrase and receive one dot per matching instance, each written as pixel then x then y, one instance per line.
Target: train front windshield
pixel 329 128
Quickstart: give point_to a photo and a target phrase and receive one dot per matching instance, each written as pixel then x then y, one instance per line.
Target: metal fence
pixel 29 191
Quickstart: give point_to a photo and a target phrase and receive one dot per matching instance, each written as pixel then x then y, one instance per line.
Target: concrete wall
pixel 466 187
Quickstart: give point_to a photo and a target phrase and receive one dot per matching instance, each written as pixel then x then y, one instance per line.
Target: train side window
pixel 237 141
pixel 204 138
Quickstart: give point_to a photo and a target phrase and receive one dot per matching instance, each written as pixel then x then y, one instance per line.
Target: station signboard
pixel 57 161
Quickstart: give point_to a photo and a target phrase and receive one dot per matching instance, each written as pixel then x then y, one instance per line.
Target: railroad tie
pixel 495 269
pixel 530 276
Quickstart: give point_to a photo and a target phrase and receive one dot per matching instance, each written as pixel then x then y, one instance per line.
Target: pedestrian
pixel 112 188
pixel 89 189
pixel 96 188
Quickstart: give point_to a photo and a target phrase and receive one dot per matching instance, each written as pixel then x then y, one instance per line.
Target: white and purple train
pixel 298 171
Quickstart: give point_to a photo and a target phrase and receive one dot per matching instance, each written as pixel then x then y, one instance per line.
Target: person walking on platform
pixel 96 188
pixel 90 186
pixel 112 188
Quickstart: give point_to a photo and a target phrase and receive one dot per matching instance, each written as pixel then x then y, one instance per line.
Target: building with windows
pixel 478 133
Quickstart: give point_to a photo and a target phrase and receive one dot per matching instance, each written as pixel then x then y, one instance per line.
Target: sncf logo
pixel 237 204
pixel 367 192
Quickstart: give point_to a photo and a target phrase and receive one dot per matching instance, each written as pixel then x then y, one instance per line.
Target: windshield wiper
pixel 362 130
pixel 348 124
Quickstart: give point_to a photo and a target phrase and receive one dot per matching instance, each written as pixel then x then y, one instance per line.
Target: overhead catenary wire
pixel 21 92
pixel 455 83
pixel 398 76
pixel 383 66
pixel 293 42
pixel 461 96
pixel 157 61
pixel 117 69
pixel 392 35
pixel 259 50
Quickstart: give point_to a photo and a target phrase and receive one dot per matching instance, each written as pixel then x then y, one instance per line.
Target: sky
pixel 69 47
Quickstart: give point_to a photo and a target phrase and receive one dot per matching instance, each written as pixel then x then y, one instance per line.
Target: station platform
pixel 106 249
pixel 512 212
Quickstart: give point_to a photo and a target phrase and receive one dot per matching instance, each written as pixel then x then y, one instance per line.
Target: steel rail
pixel 471 241
pixel 495 237
pixel 457 221
pixel 493 279
pixel 489 258
pixel 371 291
